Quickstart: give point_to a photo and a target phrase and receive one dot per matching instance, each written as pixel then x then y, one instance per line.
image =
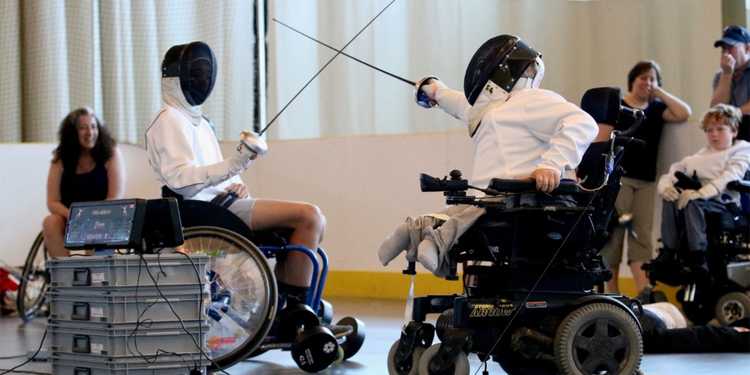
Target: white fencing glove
pixel 670 194
pixel 253 143
pixel 425 91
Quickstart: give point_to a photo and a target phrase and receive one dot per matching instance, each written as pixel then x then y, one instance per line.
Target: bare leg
pixel 639 276
pixel 54 230
pixel 308 224
pixel 613 286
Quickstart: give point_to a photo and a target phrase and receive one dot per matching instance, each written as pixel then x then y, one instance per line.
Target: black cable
pixel 200 298
pixel 44 336
pixel 522 305
pixel 11 371
pixel 146 323
pixel 15 356
pixel 182 324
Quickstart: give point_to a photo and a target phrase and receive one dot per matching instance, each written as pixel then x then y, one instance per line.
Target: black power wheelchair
pixel 530 276
pixel 724 293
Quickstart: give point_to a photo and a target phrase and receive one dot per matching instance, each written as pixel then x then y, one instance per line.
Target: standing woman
pixel 86 166
pixel 638 188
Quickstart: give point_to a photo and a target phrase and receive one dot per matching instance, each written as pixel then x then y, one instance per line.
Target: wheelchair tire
pixel 598 338
pixel 354 340
pixel 460 364
pixel 732 307
pixel 32 290
pixel 392 370
pixel 241 275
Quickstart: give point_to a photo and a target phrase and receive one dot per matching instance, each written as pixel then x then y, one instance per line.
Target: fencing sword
pixel 323 67
pixel 420 96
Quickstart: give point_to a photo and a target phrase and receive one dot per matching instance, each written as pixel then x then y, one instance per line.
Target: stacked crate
pixel 121 314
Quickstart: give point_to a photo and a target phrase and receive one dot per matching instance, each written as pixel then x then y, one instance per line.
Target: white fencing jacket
pixel 533 129
pixel 183 150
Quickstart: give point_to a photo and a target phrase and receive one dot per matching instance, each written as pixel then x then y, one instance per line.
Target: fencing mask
pixel 502 60
pixel 195 65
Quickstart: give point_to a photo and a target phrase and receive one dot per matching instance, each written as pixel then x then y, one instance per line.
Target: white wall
pixel 365 185
pixel 24 169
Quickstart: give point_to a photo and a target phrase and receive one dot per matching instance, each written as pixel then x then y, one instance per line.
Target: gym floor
pixel 383 319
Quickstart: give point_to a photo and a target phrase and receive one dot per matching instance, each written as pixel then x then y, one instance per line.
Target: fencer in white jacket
pixel 519 132
pixel 185 155
pixel 525 133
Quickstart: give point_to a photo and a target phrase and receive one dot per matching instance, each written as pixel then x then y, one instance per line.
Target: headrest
pixel 603 104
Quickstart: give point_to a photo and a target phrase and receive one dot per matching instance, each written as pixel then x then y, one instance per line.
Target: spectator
pixel 86 166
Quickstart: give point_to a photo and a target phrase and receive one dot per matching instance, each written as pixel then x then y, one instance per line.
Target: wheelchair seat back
pixel 196 213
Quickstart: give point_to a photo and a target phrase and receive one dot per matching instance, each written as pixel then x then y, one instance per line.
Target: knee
pixel 53 224
pixel 312 216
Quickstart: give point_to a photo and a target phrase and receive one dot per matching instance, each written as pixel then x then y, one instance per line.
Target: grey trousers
pixel 691 220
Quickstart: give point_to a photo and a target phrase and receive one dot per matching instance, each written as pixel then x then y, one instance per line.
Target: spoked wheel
pixel 598 338
pixel 32 291
pixel 243 293
pixel 460 364
pixel 411 369
pixel 732 307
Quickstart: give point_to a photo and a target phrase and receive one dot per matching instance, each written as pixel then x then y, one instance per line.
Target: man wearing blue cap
pixel 732 82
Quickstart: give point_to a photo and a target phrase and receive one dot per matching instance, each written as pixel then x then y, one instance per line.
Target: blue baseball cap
pixel 733 35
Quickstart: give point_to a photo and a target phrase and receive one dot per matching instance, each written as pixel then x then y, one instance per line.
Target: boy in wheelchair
pixel 703 228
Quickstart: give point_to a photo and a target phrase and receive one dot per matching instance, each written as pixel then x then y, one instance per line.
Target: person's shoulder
pixel 547 94
pixel 741 146
pixel 167 115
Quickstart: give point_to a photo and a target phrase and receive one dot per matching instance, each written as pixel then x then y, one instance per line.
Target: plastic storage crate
pixel 165 364
pixel 127 270
pixel 127 304
pixel 127 339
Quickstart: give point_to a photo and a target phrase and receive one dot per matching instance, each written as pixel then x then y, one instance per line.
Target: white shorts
pixel 243 208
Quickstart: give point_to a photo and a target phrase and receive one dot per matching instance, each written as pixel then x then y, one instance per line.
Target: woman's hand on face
pixel 239 189
pixel 656 92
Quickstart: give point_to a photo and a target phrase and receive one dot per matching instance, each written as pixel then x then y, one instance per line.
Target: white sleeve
pixel 453 102
pixel 574 133
pixel 735 168
pixel 171 157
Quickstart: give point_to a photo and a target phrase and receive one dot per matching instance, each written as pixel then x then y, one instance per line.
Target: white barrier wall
pixel 365 185
pixel 24 169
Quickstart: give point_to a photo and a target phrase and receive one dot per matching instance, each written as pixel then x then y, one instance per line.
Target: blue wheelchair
pixel 245 315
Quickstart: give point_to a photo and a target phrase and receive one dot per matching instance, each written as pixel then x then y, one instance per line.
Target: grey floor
pixel 383 319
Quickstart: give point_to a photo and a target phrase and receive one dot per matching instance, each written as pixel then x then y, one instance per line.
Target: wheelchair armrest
pixel 742 186
pixel 429 183
pixel 528 186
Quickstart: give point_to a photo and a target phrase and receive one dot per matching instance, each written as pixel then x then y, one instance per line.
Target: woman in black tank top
pixel 86 166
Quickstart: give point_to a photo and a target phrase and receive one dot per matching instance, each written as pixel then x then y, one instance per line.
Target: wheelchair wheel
pixel 413 369
pixel 731 307
pixel 598 338
pixel 243 293
pixel 460 364
pixel 33 287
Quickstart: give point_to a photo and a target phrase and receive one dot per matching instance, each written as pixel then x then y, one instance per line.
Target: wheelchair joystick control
pixel 455 175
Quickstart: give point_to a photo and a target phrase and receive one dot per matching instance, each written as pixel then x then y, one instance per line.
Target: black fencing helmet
pixel 502 60
pixel 195 64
